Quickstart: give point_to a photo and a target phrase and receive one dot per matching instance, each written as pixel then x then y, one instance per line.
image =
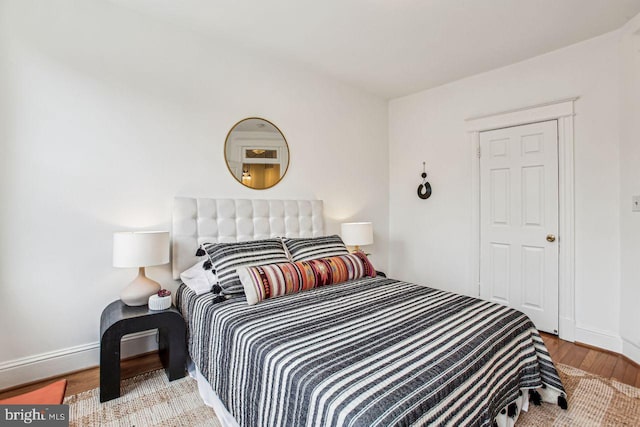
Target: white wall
pixel 630 186
pixel 431 240
pixel 106 116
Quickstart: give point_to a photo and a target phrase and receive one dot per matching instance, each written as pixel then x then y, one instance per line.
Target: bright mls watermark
pixel 35 415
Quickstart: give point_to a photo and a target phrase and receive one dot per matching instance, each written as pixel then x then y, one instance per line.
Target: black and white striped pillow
pixel 227 257
pixel 305 249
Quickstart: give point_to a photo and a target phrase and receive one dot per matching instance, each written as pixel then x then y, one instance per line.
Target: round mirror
pixel 257 153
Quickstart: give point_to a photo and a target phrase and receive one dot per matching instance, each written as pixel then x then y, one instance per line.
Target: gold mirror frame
pixel 241 171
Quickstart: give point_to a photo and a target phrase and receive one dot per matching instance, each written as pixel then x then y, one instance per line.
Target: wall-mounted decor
pixel 424 189
pixel 257 153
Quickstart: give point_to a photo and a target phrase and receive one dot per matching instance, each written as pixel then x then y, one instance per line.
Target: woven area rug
pixel 146 400
pixel 593 401
pixel 151 400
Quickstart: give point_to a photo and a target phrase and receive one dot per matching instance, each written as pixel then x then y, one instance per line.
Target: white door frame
pixel 563 112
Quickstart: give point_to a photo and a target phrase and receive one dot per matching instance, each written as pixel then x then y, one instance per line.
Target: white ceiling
pixel 396 47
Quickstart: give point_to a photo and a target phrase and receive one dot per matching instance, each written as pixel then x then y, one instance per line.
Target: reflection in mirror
pixel 257 153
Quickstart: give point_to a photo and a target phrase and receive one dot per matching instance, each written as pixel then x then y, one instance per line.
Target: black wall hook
pixel 424 189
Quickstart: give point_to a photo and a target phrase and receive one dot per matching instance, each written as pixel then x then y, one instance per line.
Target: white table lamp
pixel 140 249
pixel 357 234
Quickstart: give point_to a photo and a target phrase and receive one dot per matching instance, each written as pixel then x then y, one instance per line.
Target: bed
pixel 368 352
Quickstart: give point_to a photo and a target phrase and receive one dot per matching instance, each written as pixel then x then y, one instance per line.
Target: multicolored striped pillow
pixel 269 281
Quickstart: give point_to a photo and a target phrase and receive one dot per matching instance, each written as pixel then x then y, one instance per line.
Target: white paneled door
pixel 519 220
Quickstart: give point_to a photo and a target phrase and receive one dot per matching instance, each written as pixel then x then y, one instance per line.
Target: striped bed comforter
pixel 371 352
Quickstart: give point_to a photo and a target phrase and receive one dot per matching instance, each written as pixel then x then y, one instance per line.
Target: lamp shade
pixel 357 233
pixel 140 248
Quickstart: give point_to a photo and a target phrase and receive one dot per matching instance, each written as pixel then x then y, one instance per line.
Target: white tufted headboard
pixel 196 221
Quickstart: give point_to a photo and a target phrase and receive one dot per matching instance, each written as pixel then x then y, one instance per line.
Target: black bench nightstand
pixel 117 320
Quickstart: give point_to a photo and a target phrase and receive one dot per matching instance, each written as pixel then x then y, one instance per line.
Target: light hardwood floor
pixel 596 361
pixel 88 379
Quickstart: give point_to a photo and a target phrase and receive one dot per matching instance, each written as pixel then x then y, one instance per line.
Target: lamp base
pixel 139 290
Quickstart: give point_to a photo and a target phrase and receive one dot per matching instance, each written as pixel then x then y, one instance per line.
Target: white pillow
pixel 198 279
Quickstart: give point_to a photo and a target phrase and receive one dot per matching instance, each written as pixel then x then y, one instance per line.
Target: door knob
pixel 551 238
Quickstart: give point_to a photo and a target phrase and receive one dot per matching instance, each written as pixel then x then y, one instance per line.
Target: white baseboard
pixel 58 362
pixel 567 329
pixel 608 341
pixel 599 338
pixel 631 350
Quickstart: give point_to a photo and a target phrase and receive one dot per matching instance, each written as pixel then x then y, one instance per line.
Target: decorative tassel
pixel 512 410
pixel 218 299
pixel 200 252
pixel 535 398
pixel 216 289
pixel 562 402
pixel 207 265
